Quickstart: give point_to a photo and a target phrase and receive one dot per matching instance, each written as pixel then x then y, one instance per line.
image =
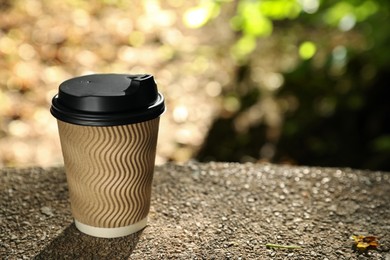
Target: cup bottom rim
pixel 111 232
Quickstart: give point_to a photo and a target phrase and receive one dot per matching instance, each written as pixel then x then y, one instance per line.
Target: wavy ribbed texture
pixel 109 171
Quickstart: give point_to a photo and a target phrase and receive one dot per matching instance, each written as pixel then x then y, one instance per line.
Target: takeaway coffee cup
pixel 108 126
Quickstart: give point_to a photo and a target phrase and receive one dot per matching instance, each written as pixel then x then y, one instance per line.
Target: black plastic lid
pixel 108 100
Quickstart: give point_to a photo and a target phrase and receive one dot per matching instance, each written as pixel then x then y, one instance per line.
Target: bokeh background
pixel 302 82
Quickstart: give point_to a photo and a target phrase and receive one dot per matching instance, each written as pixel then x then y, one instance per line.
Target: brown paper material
pixel 109 171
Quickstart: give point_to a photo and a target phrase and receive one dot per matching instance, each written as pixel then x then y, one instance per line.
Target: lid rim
pixel 65 114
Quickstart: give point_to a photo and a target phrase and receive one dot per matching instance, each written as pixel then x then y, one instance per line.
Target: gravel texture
pixel 207 211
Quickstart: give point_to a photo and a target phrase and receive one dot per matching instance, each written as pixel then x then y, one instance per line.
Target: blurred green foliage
pixel 332 103
pixel 256 18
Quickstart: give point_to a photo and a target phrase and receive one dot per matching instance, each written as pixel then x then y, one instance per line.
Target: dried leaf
pixel 365 242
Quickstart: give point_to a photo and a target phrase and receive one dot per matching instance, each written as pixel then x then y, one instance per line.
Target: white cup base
pixel 111 232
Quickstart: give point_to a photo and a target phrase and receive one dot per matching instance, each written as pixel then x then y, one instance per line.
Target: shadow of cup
pixel 73 244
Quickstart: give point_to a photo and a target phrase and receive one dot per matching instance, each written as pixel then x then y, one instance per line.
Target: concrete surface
pixel 207 211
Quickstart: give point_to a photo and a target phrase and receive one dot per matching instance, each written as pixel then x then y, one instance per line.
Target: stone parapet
pixel 207 211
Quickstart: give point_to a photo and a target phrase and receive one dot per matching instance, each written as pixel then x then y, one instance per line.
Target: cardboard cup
pixel 108 127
